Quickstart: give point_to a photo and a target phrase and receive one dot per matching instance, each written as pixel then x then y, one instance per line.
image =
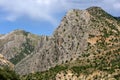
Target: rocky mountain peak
pixel 94 8
pixel 97 11
pixel 75 20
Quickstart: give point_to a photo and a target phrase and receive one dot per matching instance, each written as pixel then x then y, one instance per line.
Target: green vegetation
pixel 6 74
pixel 85 54
pixel 26 49
pixel 81 69
pixel 47 75
pixel 25 33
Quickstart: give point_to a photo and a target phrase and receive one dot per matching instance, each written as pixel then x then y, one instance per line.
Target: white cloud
pixel 117 6
pixel 35 9
pixel 45 9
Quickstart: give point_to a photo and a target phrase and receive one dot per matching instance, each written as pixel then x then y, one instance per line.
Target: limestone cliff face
pixel 82 34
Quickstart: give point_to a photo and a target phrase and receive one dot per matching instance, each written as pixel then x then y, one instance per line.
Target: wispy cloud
pixel 35 9
pixel 45 9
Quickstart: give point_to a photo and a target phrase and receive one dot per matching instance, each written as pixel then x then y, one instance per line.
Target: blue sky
pixel 42 17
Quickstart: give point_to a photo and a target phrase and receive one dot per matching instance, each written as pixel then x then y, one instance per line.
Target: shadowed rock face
pixel 80 32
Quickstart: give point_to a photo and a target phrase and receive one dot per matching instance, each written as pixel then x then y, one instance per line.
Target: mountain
pixel 86 45
pixel 17 44
pixel 88 42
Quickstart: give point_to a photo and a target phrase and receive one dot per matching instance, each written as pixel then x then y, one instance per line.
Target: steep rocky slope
pixel 85 45
pixel 16 45
pixel 67 43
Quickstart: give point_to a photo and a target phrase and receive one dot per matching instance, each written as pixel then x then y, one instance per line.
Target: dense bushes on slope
pixel 7 74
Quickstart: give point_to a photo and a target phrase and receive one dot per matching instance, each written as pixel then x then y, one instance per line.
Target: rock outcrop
pixel 5 63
